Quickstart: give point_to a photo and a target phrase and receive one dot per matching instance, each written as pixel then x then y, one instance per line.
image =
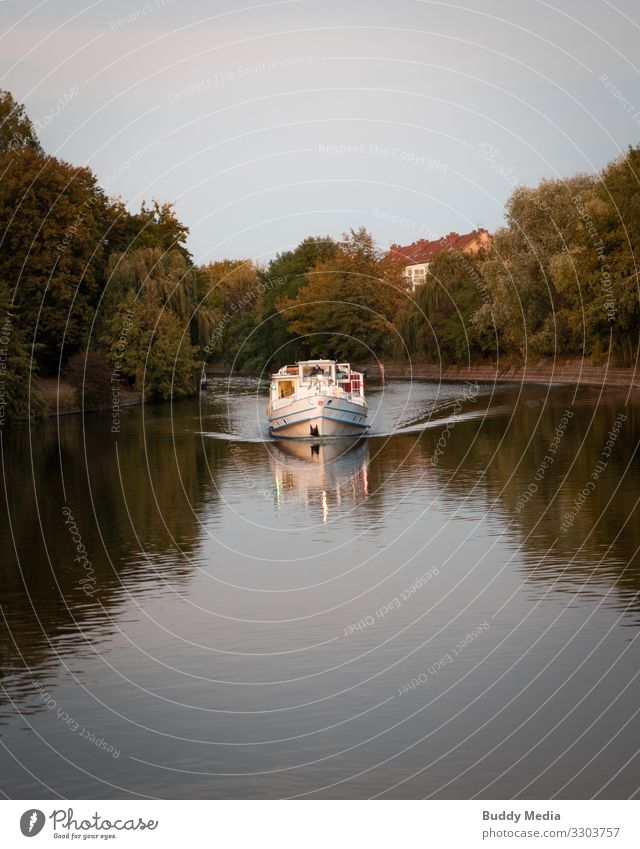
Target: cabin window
pixel 286 388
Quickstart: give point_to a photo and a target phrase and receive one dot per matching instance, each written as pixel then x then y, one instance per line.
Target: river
pixel 448 608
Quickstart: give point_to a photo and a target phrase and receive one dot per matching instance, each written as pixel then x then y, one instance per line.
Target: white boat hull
pixel 318 417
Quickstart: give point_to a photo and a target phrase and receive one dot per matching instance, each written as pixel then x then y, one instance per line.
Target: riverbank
pixel 574 372
pixel 567 371
pixel 60 398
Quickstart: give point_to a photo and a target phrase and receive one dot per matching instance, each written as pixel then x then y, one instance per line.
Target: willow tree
pixel 437 323
pixel 152 321
pixel 538 275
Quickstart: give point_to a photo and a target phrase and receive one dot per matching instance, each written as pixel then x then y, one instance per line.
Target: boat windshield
pixel 316 371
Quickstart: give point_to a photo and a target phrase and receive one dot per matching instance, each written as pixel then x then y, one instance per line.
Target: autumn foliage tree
pixel 350 303
pixel 90 375
pixel 16 130
pixel 51 248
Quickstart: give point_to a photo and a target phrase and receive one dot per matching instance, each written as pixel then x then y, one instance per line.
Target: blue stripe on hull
pixel 319 414
pixel 346 420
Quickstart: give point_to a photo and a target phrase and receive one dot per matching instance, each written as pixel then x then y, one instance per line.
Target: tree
pixel 616 215
pixel 16 129
pixel 231 291
pixel 437 324
pixel 20 397
pixel 533 274
pixel 149 314
pixel 171 370
pixel 51 248
pixel 89 373
pixel 155 226
pixel 350 303
pixel 271 338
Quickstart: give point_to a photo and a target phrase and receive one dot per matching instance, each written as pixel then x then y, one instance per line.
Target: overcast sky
pixel 266 123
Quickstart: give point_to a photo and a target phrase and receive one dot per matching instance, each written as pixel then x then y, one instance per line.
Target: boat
pixel 317 399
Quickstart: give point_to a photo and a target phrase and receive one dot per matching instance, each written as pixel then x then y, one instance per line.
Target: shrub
pixel 89 373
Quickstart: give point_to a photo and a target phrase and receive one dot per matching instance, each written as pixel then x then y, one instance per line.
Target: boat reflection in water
pixel 322 475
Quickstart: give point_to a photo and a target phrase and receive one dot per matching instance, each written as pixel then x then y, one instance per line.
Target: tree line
pixel 560 279
pixel 91 290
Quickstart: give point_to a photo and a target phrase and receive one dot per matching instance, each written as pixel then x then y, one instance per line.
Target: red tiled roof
pixel 424 251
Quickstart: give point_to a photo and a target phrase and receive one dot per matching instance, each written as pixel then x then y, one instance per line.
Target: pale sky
pixel 266 123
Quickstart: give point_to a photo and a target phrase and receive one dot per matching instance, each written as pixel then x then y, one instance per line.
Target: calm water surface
pixel 448 608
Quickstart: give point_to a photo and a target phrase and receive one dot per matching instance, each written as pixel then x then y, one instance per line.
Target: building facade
pixel 418 256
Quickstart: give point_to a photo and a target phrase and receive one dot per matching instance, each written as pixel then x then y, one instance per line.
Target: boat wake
pixel 266 438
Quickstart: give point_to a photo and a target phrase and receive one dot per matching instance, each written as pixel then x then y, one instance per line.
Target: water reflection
pixel 123 510
pixel 230 574
pixel 322 476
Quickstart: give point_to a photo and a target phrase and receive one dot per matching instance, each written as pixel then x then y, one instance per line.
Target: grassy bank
pixel 60 398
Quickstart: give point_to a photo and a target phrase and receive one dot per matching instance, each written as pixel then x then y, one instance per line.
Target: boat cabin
pixel 315 376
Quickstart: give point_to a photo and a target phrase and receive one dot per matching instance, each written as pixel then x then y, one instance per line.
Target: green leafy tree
pixel 231 291
pixel 20 397
pixel 150 315
pixel 171 367
pixel 616 214
pixel 534 307
pixel 437 324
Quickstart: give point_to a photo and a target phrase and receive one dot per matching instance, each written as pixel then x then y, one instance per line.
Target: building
pixel 418 256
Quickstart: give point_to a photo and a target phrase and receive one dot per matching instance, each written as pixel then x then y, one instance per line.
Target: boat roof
pixel 283 369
